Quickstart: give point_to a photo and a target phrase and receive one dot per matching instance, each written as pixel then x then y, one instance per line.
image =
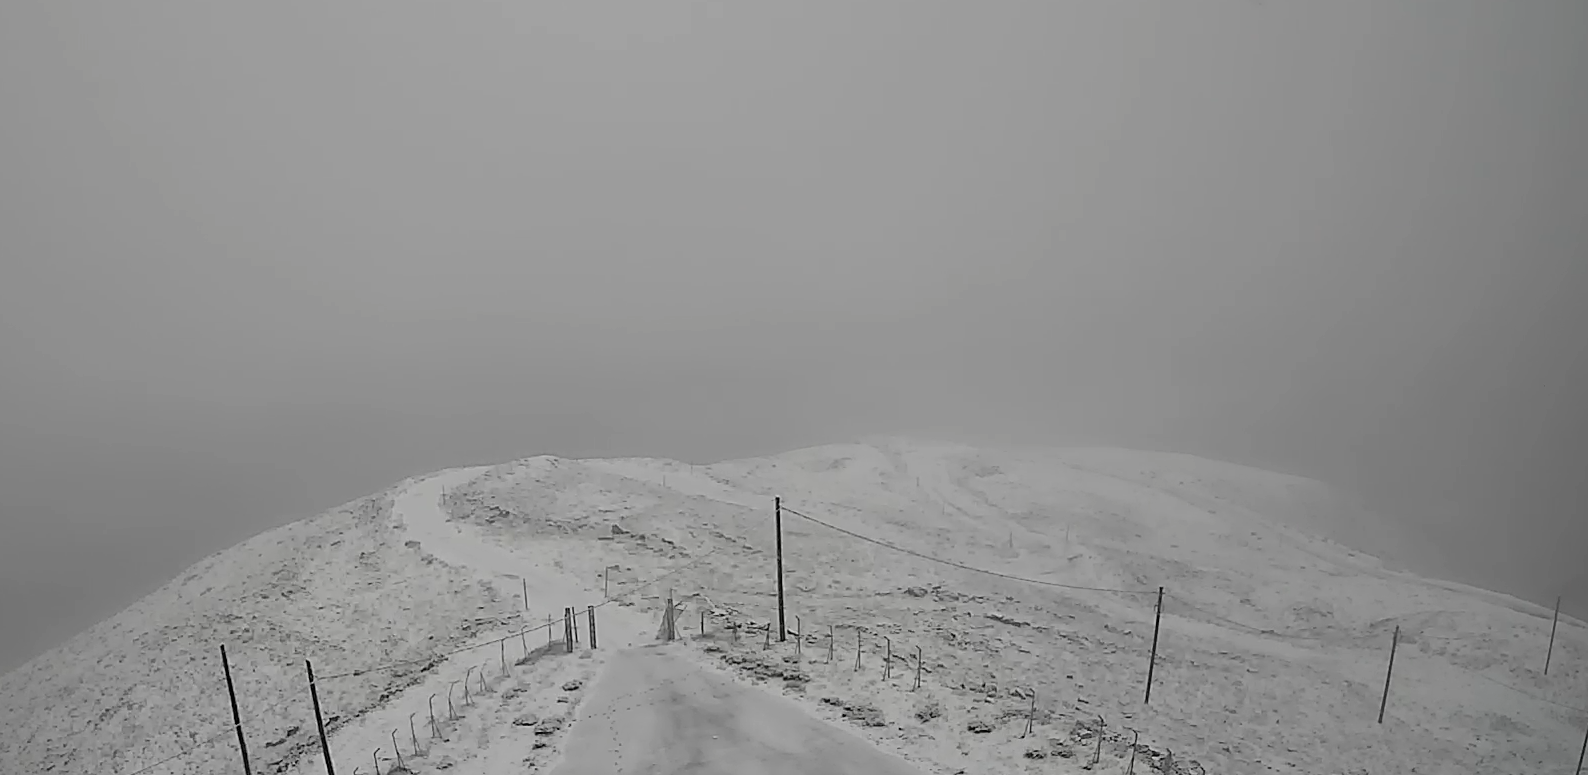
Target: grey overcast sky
pixel 263 258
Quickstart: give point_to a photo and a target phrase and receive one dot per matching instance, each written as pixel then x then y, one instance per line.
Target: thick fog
pixel 261 259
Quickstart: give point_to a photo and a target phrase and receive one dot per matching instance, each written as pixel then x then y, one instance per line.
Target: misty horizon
pixel 260 261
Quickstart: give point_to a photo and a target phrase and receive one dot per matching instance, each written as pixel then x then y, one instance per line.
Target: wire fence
pixel 571 636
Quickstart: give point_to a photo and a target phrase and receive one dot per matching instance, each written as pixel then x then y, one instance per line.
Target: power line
pixel 962 566
pixel 1530 695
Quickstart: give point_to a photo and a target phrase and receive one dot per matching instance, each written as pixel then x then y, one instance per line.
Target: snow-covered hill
pixel 1271 656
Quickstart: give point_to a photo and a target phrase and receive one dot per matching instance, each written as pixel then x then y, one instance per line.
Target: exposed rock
pixel 865 715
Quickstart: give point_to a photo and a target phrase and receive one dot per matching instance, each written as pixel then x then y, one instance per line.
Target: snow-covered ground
pixel 1271 657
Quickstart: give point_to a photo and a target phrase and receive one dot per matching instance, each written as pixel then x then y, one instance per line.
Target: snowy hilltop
pixel 967 609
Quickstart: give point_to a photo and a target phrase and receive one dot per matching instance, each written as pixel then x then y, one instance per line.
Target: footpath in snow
pixel 636 707
pixel 490 710
pixel 651 711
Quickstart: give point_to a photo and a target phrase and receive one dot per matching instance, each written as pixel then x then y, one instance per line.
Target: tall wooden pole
pixel 1584 753
pixel 319 720
pixel 782 628
pixel 1384 703
pixel 1553 625
pixel 237 718
pixel 1152 661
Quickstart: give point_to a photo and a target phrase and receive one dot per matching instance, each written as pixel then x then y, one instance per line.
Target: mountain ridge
pixel 1251 594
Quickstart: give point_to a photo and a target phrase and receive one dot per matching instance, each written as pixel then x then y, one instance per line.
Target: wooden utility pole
pixel 319 720
pixel 777 508
pixel 237 718
pixel 1384 703
pixel 1152 661
pixel 1584 753
pixel 1553 625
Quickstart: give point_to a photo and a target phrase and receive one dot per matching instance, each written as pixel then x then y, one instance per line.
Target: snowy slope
pixel 1272 653
pixel 1468 693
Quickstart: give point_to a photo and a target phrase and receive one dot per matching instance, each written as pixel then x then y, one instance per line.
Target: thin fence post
pixel 1134 741
pixel 237 718
pixel 398 751
pixel 1394 641
pixel 412 735
pixel 548 629
pixel 1098 755
pixel 1152 661
pixel 484 687
pixel 917 669
pixel 859 634
pixel 1553 625
pixel 468 699
pixel 768 643
pixel 526 594
pixel 799 636
pixel 702 622
pixel 829 644
pixel 887 658
pixel 376 757
pixel 319 720
pixel 1031 717
pixel 523 640
pixel 590 617
pixel 435 729
pixel 452 715
pixel 503 648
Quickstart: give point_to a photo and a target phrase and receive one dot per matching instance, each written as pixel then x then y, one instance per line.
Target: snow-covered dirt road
pixel 651 711
pixel 510 569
